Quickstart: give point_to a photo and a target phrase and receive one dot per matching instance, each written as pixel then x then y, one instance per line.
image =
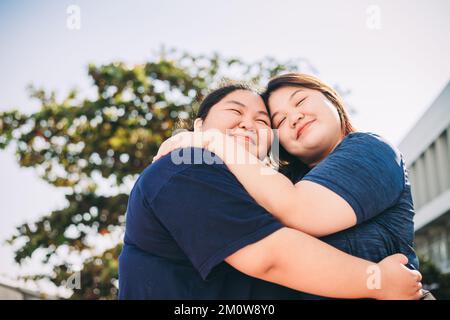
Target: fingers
pixel 401 258
pixel 418 295
pixel 419 286
pixel 418 292
pixel 171 144
pixel 187 139
pixel 418 275
pixel 158 154
pixel 162 150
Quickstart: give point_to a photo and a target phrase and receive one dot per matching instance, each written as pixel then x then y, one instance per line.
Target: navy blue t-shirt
pixel 369 173
pixel 182 221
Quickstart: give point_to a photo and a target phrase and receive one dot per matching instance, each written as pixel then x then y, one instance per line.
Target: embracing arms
pixel 213 219
pixel 306 206
pixel 296 260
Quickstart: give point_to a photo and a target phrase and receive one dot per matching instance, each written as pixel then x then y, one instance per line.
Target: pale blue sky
pixel 394 73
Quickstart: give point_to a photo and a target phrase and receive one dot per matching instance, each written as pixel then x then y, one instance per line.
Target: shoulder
pixel 185 166
pixel 369 144
pixel 366 138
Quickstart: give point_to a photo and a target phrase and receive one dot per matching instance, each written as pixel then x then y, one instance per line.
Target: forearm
pixel 306 264
pixel 255 176
pixel 306 206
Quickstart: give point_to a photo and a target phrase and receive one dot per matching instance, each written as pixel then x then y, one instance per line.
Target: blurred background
pixel 89 89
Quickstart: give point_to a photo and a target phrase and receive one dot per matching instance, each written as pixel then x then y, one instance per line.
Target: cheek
pixel 329 114
pixel 221 123
pixel 284 135
pixel 331 121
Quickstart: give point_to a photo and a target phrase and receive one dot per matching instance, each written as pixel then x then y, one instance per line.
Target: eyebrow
pixel 290 98
pixel 243 105
pixel 294 93
pixel 236 102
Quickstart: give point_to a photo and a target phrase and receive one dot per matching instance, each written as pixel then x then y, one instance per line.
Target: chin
pixel 313 140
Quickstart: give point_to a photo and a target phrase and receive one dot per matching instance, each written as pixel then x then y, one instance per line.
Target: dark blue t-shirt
pixel 369 173
pixel 182 221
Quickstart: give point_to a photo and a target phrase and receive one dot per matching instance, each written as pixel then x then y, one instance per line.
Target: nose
pixel 247 124
pixel 294 118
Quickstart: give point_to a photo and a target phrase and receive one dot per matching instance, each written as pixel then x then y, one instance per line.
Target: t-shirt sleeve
pixel 210 215
pixel 364 170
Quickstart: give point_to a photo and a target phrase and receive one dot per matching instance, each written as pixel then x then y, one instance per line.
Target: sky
pixel 393 55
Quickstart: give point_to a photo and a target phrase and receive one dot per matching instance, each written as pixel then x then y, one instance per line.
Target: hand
pixel 211 140
pixel 397 281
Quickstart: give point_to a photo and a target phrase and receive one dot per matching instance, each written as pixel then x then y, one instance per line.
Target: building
pixel 427 154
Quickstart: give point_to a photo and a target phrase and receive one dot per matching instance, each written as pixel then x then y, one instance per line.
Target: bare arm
pixel 306 206
pixel 296 260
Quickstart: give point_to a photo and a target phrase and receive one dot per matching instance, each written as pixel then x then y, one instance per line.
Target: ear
pixel 198 123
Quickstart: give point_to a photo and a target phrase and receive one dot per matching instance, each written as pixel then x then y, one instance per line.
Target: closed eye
pixel 281 122
pixel 236 111
pixel 300 102
pixel 263 121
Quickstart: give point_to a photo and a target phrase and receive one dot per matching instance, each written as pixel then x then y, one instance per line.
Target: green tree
pixel 94 149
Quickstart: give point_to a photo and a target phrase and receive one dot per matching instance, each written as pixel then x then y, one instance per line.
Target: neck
pixel 311 162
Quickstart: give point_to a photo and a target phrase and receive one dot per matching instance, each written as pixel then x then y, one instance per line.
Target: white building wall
pixel 427 154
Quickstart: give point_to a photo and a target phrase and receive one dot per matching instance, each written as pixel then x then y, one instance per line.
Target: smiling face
pixel 309 126
pixel 243 114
